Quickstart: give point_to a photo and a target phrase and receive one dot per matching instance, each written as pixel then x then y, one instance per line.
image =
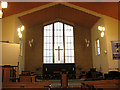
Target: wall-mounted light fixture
pixel 3 4
pixel 87 42
pixel 31 42
pixel 102 29
pixel 20 30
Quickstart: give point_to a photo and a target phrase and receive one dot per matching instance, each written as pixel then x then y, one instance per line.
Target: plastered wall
pixel 105 60
pixel 10 54
pixel 100 62
pixel 112 35
pixel 34 54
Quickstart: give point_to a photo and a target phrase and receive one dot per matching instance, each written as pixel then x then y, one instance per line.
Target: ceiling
pixel 59 11
pixel 105 8
pixel 18 7
pixel 62 12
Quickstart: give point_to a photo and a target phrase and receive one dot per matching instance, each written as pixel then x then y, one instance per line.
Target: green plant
pixel 79 67
pixel 38 68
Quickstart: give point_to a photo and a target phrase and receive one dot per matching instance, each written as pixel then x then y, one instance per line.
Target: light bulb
pixel 100 28
pixel 22 28
pixel 102 34
pixel 18 30
pixel 103 28
pixel 4 4
pixel 20 35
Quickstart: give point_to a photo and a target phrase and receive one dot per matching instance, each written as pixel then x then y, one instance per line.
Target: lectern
pixel 64 80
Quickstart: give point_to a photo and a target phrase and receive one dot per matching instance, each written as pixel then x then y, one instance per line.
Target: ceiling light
pixel 3 4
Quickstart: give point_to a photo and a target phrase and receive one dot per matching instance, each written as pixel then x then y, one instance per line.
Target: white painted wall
pixel 9 33
pixel 8 28
pixel 99 62
pixel 10 54
pixel 111 34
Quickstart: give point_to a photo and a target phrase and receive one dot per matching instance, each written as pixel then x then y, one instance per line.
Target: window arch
pixel 58 43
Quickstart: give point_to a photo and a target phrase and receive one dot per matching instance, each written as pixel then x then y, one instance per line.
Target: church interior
pixel 60 45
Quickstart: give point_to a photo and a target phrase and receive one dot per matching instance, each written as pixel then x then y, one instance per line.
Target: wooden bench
pixel 114 84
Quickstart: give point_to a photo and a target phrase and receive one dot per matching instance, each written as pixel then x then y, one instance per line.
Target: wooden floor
pixel 101 84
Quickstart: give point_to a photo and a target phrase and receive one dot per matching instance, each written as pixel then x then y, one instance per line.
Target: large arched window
pixel 58 43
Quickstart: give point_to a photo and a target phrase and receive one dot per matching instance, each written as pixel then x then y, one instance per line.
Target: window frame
pixel 97 48
pixel 63 41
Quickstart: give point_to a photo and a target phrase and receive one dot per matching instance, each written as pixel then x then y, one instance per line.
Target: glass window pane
pixel 48 59
pixel 98 51
pixel 97 47
pixel 69 53
pixel 69 59
pixel 48 44
pixel 58 43
pixel 98 43
pixel 48 40
pixel 72 60
pixel 48 52
pixel 69 45
pixel 48 30
pixel 68 30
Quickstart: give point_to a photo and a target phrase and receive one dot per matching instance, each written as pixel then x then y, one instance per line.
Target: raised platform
pixel 52 71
